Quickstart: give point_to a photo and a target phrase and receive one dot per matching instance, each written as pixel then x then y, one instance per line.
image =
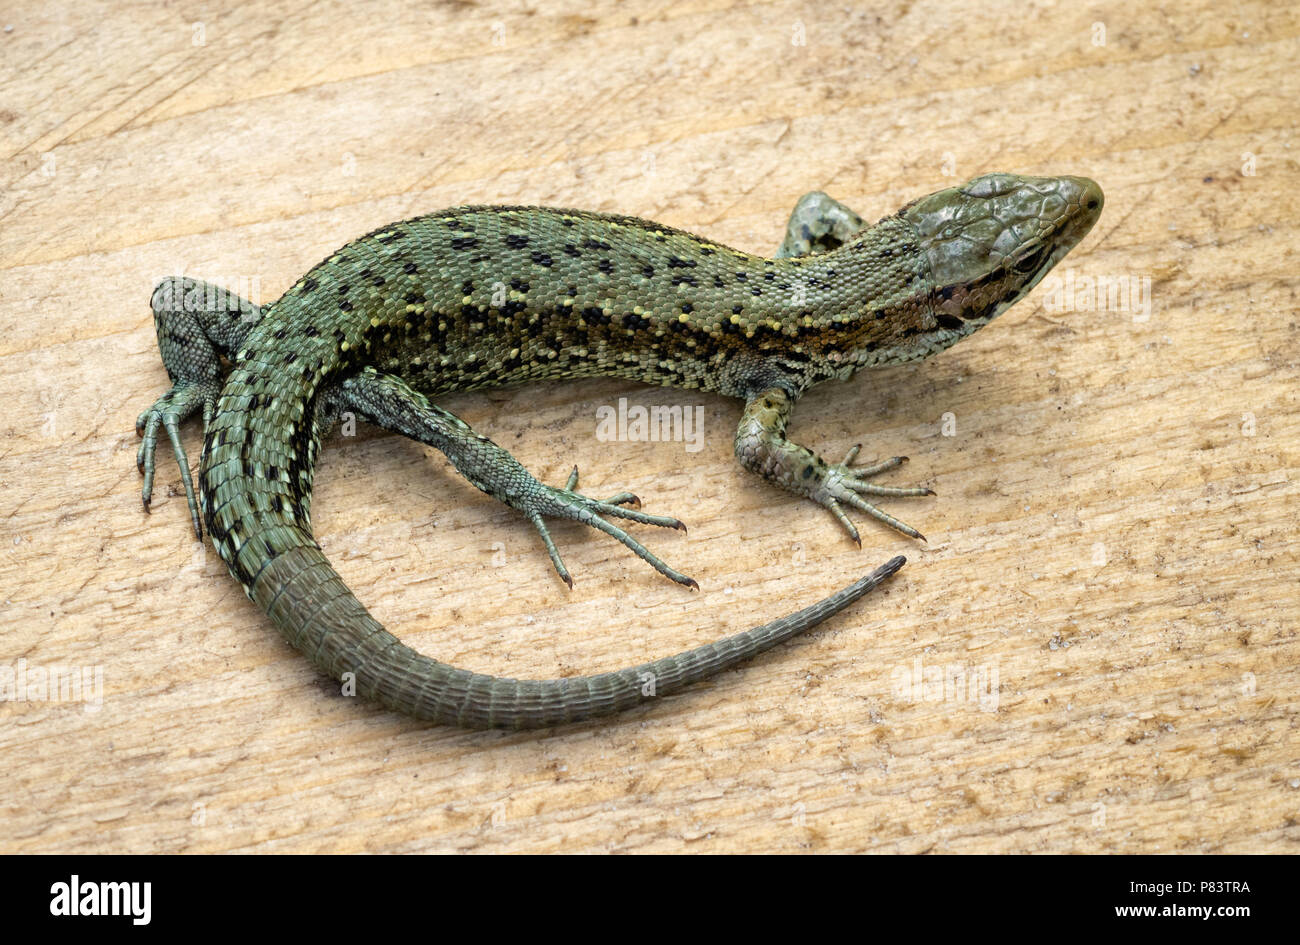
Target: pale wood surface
pixel 1115 527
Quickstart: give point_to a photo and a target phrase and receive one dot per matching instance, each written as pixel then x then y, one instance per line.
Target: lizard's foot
pixel 761 446
pixel 545 501
pixel 842 483
pixel 818 224
pixel 169 411
pixel 389 401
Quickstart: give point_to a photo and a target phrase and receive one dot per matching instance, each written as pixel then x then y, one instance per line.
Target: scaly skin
pixel 477 297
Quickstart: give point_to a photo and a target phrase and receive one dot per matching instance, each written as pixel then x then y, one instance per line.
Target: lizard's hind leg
pixel 818 224
pixel 197 324
pixel 389 402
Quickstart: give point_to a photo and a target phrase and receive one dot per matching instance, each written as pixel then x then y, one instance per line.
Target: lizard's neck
pixel 867 303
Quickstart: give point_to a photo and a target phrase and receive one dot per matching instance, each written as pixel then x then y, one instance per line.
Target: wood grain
pixel 1114 537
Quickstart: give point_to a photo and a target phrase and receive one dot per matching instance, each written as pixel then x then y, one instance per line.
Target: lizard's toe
pixel 549 502
pixel 168 412
pixel 844 485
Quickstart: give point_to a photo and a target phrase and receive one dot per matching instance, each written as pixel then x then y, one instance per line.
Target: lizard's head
pixel 990 240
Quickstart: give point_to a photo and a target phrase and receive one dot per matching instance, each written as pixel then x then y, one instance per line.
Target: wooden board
pixel 1110 585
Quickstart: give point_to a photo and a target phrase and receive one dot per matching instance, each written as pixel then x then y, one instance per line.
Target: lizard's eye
pixel 1030 260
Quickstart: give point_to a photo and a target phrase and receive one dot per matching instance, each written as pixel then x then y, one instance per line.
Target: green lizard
pixel 477 297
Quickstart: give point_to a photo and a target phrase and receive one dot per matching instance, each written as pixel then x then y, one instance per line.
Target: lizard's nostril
pixel 1092 195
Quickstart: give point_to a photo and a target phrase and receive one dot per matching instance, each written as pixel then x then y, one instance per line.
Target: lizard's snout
pixel 1084 201
pixel 1090 195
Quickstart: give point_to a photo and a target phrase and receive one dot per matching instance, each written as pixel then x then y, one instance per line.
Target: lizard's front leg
pixel 761 447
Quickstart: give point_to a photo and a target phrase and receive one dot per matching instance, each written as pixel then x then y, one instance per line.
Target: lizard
pixel 479 297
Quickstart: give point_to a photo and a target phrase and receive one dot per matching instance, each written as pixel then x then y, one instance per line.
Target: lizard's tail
pixel 256 473
pixel 322 618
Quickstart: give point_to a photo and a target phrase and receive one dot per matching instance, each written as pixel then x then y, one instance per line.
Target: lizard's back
pixel 479 297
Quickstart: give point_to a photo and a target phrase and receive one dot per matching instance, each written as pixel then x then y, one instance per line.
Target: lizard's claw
pixel 844 484
pixel 169 411
pixel 545 501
